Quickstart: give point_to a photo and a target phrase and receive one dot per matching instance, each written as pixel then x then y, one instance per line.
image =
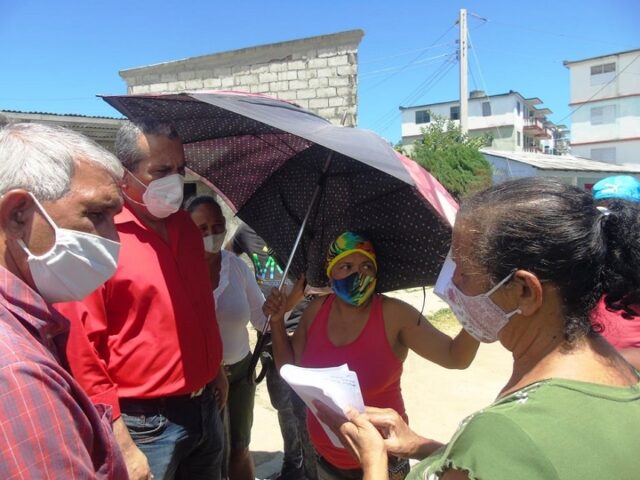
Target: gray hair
pixel 41 159
pixel 127 149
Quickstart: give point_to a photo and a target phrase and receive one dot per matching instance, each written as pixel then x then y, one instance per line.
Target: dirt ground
pixel 436 399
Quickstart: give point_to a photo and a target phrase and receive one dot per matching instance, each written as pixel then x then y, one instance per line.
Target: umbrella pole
pixel 257 351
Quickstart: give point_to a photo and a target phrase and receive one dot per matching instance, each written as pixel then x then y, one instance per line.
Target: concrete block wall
pixel 318 73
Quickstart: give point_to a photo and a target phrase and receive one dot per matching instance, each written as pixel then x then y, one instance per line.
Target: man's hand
pixel 136 461
pixel 220 386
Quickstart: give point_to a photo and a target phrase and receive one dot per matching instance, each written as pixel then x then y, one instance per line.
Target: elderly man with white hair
pixel 58 242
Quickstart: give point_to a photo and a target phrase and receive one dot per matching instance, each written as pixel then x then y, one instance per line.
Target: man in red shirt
pixel 147 342
pixel 58 196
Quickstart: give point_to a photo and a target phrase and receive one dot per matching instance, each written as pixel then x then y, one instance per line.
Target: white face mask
pixel 163 196
pixel 213 243
pixel 477 314
pixel 77 264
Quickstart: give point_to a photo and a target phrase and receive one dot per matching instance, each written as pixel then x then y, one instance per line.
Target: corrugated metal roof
pixel 569 163
pixel 18 112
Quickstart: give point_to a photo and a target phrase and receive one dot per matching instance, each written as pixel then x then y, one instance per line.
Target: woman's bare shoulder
pixel 313 308
pixel 397 306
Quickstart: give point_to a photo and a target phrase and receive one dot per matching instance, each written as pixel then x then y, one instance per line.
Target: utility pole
pixel 462 58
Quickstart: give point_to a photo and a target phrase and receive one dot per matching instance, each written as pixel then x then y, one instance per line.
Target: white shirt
pixel 238 302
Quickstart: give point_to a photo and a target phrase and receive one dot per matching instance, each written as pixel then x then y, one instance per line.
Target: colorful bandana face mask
pixel 355 289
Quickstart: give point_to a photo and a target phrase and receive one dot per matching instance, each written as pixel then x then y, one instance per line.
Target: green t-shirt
pixel 553 429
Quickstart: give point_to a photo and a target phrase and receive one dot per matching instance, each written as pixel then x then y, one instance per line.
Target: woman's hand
pixel 358 435
pixel 399 439
pixel 275 305
pixel 220 387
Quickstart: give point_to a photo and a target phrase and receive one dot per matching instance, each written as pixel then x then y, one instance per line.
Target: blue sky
pixel 56 55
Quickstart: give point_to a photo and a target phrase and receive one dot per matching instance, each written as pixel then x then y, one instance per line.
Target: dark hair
pixel 126 145
pixel 194 202
pixel 556 231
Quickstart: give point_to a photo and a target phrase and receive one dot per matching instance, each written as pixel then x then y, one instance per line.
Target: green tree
pixel 453 157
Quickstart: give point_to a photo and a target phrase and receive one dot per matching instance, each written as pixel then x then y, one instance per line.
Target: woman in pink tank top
pixel 369 332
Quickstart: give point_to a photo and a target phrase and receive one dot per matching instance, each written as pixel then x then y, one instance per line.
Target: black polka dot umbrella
pixel 267 157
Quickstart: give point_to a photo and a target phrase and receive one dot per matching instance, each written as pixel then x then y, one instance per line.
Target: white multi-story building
pixel 605 98
pixel 516 123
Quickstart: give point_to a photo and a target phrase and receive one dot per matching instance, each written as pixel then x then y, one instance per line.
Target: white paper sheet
pixel 445 275
pixel 336 387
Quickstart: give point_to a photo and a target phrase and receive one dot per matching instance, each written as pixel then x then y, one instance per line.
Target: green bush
pixel 453 157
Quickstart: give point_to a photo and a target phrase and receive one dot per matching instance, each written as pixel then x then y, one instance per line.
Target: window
pixel 518 107
pixel 486 109
pixel 518 139
pixel 603 115
pixel 605 154
pixel 454 113
pixel 604 68
pixel 423 116
pixel 603 73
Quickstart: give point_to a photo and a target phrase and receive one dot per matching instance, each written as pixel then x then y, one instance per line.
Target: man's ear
pixel 125 181
pixel 529 290
pixel 16 213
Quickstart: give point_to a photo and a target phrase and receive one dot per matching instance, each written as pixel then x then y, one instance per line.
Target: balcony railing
pixel 535 127
pixel 532 149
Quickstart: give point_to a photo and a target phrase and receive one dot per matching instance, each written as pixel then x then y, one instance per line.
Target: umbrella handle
pixel 257 351
pixel 255 357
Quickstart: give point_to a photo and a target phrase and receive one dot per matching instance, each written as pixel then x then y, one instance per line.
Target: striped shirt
pixel 49 429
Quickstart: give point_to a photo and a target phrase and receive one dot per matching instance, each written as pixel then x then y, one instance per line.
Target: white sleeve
pixel 255 298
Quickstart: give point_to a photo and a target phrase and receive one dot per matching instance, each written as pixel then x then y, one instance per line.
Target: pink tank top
pixel 620 332
pixel 373 360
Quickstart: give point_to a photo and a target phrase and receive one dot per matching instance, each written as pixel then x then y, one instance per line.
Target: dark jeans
pixel 292 418
pixel 182 437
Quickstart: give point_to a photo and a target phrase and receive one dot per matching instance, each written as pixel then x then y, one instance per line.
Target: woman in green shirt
pixel 530 258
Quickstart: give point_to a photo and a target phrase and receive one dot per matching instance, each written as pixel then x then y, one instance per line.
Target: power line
pixel 519 55
pixel 418 63
pixel 422 89
pixel 473 79
pixel 412 61
pixel 407 52
pixel 595 94
pixel 549 32
pixel 484 84
pixel 392 113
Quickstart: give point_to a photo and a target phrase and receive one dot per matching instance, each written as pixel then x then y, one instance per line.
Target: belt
pixel 133 405
pixel 197 393
pixel 344 473
pixel 397 468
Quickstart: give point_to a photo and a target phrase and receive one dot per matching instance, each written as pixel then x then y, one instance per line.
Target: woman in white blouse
pixel 238 301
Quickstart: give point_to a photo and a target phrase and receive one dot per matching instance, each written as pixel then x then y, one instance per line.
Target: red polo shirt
pixel 151 330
